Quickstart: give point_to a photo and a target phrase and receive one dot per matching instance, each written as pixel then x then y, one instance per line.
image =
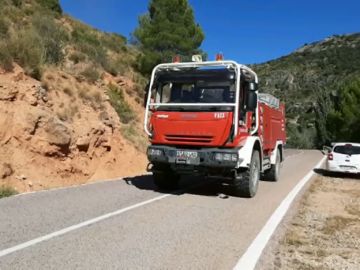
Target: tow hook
pixel 149 167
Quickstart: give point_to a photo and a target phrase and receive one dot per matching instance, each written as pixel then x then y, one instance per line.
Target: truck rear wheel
pixel 166 180
pixel 273 173
pixel 246 183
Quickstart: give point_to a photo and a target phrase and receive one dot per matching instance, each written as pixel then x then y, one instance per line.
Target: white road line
pixel 78 226
pixel 251 256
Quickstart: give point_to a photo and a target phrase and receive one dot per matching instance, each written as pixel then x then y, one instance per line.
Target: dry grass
pixel 353 209
pixel 337 224
pixel 67 113
pixel 133 135
pixel 325 232
pixel 68 91
pixel 91 74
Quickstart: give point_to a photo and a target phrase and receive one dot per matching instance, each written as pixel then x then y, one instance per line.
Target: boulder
pixel 83 143
pixel 57 133
pixel 8 93
pixel 6 170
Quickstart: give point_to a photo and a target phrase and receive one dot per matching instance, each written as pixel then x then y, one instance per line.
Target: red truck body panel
pixel 271 125
pixel 212 129
pixel 207 129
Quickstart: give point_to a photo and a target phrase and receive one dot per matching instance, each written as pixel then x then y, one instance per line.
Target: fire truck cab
pixel 208 118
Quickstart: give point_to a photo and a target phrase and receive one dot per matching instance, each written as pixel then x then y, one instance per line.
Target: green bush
pixel 116 67
pixel 4 27
pixel 27 49
pixel 6 191
pixel 96 54
pixel 91 74
pixel 52 5
pixel 53 38
pixel 113 42
pixel 6 60
pixel 120 105
pixel 77 57
pixel 17 3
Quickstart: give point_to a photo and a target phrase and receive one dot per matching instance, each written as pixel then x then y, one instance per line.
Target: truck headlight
pixel 226 157
pixel 155 152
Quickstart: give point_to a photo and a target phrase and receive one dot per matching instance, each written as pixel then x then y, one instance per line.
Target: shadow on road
pixel 324 172
pixel 188 185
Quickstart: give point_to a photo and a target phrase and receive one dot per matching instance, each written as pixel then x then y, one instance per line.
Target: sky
pixel 247 31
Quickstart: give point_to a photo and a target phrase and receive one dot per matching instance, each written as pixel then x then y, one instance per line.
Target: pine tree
pixel 344 121
pixel 167 29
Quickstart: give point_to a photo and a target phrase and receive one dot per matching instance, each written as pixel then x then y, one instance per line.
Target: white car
pixel 344 157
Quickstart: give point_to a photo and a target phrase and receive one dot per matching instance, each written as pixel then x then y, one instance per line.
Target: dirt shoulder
pixel 324 231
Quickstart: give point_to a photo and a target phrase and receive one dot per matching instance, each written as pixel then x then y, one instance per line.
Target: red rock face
pixel 50 137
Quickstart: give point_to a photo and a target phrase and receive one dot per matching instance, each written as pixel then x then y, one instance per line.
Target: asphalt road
pixel 194 229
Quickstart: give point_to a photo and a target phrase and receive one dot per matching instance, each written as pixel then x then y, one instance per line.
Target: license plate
pixel 186 154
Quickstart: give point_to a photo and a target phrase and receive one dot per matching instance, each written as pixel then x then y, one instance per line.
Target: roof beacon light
pixel 219 57
pixel 196 58
pixel 176 59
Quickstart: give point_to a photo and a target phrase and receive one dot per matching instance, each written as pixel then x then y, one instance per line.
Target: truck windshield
pixel 195 88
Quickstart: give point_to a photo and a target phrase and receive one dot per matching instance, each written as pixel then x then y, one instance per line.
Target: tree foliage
pixel 310 82
pixel 167 29
pixel 53 5
pixel 343 121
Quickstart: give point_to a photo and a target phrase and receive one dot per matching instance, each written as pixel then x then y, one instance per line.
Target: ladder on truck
pixel 269 100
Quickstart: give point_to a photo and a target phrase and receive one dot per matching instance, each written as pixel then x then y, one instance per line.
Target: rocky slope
pixel 308 81
pixel 50 137
pixel 70 100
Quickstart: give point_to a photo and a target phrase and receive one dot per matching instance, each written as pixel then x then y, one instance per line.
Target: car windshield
pixel 195 87
pixel 347 150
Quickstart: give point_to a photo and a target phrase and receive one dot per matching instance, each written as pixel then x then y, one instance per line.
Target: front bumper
pixel 205 157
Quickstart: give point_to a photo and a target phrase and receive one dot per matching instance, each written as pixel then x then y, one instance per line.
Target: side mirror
pixel 146 90
pixel 252 100
pixel 253 86
pixel 326 150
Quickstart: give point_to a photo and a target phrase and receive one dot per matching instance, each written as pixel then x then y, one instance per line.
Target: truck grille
pixel 189 138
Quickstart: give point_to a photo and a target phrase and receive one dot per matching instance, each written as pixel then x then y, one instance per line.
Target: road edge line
pixel 253 253
pixel 94 182
pixel 78 226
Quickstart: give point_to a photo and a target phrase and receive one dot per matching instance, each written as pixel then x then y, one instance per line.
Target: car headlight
pixel 226 157
pixel 155 152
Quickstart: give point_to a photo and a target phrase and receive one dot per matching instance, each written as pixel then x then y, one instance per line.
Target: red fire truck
pixel 208 118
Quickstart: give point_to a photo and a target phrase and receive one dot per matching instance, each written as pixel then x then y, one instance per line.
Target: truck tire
pixel 246 183
pixel 166 180
pixel 273 173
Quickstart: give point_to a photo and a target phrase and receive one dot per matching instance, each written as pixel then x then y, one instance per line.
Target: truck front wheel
pixel 246 183
pixel 166 180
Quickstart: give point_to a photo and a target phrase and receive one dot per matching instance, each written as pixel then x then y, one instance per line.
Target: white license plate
pixel 186 154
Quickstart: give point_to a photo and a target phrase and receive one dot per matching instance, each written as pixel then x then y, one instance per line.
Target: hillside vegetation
pixel 312 82
pixel 70 99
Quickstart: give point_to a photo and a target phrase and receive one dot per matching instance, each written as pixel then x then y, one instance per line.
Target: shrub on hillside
pixel 77 57
pixel 6 191
pixel 116 66
pixel 120 105
pixel 27 49
pixel 113 42
pixel 91 74
pixel 53 38
pixel 17 3
pixel 52 5
pixel 6 60
pixel 4 27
